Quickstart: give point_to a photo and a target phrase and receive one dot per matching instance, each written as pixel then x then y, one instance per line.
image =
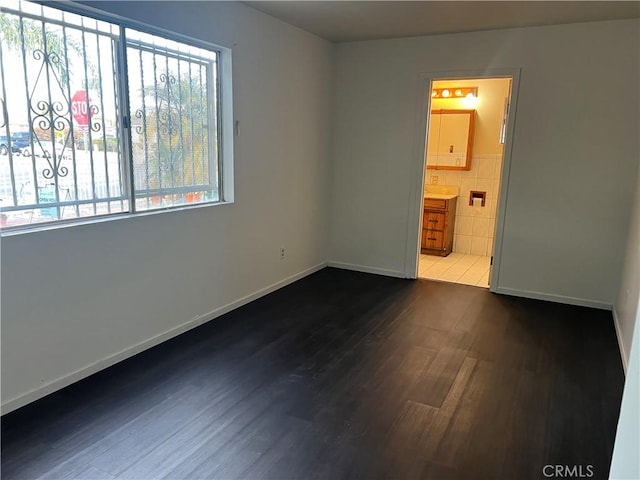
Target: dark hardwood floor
pixel 343 375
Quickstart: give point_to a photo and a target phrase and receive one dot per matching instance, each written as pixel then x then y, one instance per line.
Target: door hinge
pixel 125 122
pixel 491 261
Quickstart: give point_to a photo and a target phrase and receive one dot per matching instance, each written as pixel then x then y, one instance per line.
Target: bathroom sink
pixel 441 192
pixel 440 196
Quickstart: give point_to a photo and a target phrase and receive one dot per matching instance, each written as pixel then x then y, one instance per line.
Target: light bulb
pixel 470 101
pixel 446 93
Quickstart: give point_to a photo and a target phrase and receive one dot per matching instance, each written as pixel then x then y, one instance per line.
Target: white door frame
pixel 419 167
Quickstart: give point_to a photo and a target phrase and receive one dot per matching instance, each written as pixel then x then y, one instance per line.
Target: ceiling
pixel 344 21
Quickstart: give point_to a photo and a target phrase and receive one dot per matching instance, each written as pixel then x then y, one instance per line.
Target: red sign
pixel 81 108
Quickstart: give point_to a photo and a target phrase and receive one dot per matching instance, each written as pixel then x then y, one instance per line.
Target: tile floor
pixel 456 268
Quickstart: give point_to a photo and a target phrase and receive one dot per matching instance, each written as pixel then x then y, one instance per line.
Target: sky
pixel 89 42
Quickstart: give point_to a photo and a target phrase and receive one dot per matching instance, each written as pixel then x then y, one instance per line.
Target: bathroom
pixel 464 158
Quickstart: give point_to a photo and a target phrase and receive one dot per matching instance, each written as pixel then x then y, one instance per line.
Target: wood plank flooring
pixel 342 375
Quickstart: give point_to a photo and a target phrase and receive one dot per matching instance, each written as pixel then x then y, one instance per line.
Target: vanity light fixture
pixel 462 92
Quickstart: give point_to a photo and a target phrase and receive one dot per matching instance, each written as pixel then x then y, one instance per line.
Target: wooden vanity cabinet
pixel 438 220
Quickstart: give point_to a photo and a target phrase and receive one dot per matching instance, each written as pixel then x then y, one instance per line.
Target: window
pixel 101 118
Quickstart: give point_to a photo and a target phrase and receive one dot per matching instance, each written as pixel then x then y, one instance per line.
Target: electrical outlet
pixel 434 179
pixel 282 253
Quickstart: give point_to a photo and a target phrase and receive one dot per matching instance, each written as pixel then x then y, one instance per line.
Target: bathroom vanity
pixel 438 220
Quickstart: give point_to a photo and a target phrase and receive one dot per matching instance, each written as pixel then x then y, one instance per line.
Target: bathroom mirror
pixel 450 139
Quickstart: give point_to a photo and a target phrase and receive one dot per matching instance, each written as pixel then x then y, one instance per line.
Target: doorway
pixel 464 156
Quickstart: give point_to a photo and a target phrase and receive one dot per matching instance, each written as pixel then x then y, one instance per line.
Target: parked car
pixel 4 145
pixel 20 140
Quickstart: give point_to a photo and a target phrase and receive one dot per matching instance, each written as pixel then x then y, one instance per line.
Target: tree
pixel 14 31
pixel 59 53
pixel 174 134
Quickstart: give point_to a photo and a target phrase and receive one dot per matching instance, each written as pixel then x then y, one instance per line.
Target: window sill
pixel 36 228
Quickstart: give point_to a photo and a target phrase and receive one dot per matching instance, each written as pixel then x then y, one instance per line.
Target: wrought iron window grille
pixel 69 83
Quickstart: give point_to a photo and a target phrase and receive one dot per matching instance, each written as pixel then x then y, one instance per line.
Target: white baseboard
pixel 365 269
pixel 623 354
pixel 580 302
pixel 84 372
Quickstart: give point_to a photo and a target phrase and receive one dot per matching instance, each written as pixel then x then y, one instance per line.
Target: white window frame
pixel 225 133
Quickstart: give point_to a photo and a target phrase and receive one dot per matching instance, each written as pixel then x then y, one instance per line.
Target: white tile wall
pixel 464 226
pixel 479 245
pixel 462 243
pixel 485 185
pixel 475 226
pixel 480 227
pixel 486 167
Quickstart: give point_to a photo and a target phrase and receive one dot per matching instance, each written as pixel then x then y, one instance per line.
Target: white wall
pixel 73 298
pixel 625 463
pixel 626 306
pixel 573 162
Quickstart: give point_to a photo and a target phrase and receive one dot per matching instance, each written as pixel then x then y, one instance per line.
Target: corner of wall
pixel 623 355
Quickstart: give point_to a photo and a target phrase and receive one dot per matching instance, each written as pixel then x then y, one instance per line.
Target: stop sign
pixel 80 108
